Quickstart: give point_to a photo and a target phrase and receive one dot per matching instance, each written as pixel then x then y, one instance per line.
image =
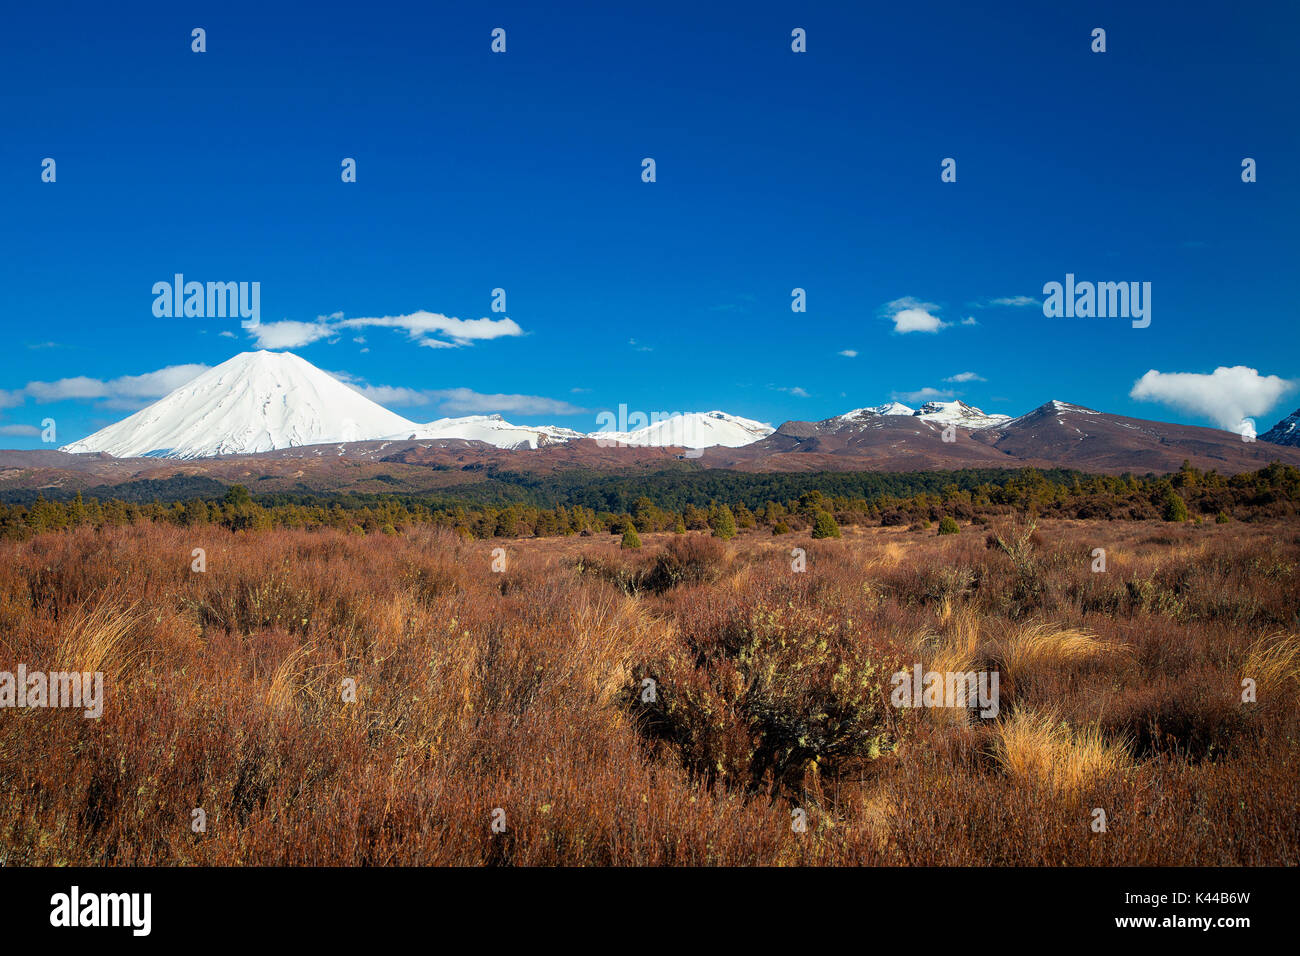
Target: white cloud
pixel 458 401
pixel 795 390
pixel 467 402
pixel 1225 396
pixel 849 353
pixel 120 392
pixel 969 320
pixel 926 394
pixel 912 315
pixel 965 377
pixel 424 328
pixel 395 395
pixel 288 334
pixel 1015 300
pixel 429 329
pixel 24 430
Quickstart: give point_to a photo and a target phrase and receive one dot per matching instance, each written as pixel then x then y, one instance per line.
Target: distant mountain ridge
pixel 270 403
pixel 1056 434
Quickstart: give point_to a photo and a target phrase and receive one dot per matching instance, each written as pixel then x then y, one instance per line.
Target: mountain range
pixel 276 416
pixel 265 401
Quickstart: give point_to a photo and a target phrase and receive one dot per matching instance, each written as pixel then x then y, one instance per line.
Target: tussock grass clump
pixel 1041 749
pixel 1031 648
pixel 100 639
pixel 1273 662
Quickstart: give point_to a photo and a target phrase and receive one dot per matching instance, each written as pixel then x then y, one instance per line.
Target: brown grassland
pixel 525 690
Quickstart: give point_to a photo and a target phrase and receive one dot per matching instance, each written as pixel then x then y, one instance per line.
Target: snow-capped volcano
pixel 492 429
pixel 256 401
pixel 691 430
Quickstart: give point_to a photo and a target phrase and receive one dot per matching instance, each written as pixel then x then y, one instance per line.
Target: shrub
pixel 630 538
pixel 824 526
pixel 771 694
pixel 689 559
pixel 948 525
pixel 1193 716
pixel 723 523
pixel 780 527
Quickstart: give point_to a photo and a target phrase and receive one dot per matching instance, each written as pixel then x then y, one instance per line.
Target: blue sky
pixel 775 170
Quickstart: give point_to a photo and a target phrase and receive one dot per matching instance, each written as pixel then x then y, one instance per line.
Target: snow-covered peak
pixel 690 430
pixel 254 402
pixel 943 413
pixel 1059 406
pixel 871 411
pixel 958 413
pixel 492 429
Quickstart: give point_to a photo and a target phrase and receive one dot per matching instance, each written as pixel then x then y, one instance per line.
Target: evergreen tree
pixel 724 523
pixel 77 512
pixel 238 495
pixel 1173 508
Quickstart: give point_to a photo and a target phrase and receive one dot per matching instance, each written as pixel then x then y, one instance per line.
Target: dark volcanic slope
pixel 1055 435
pixel 884 443
pixel 1075 437
pixel 362 467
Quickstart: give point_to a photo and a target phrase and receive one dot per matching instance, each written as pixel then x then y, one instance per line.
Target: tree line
pixel 1188 494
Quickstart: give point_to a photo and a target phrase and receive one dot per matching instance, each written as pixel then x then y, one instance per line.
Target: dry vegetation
pixel 525 690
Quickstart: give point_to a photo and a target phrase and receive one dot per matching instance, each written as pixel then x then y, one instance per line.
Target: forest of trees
pixel 1188 494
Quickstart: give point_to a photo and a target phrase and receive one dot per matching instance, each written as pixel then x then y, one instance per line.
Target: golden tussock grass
pixel 1273 662
pixel 1042 749
pixel 1033 647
